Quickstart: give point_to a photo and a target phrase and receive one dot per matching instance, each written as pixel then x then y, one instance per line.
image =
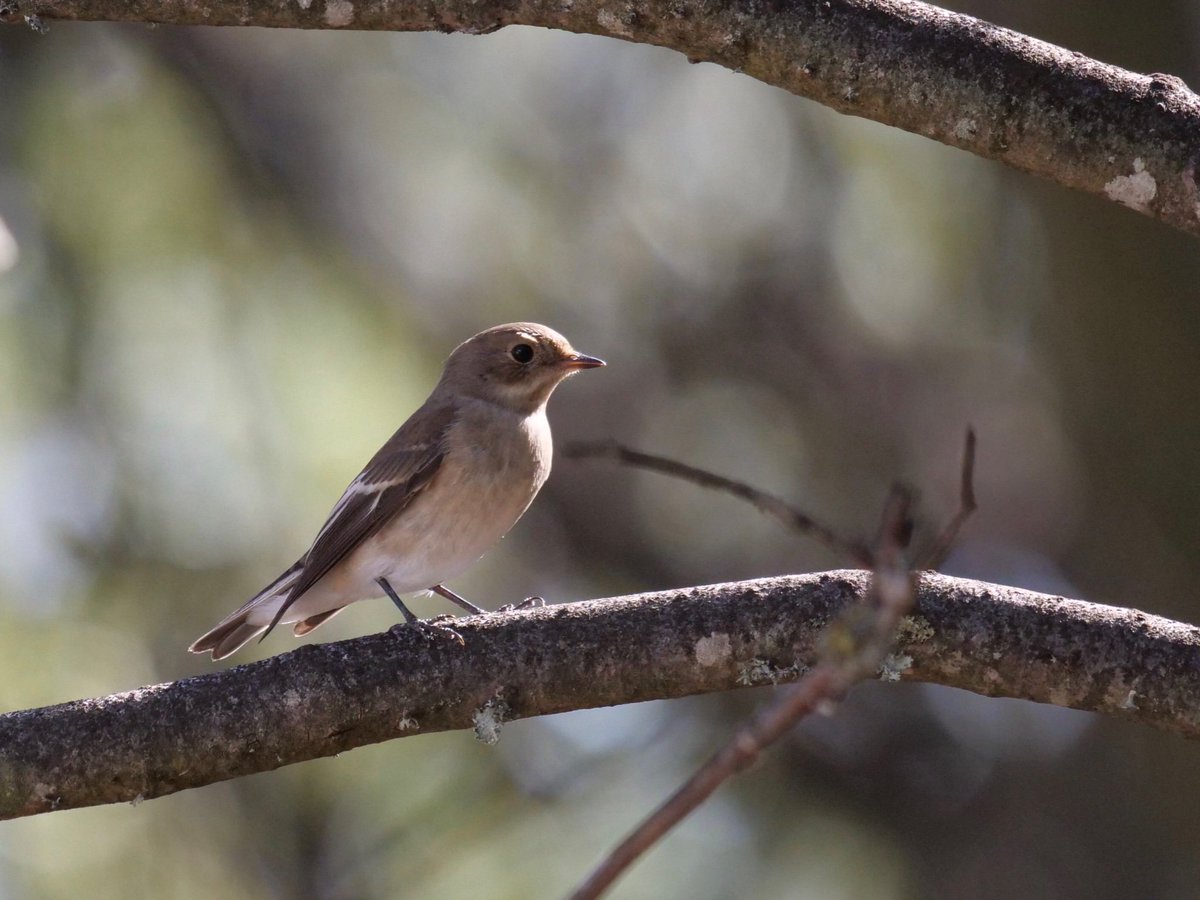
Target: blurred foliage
pixel 231 263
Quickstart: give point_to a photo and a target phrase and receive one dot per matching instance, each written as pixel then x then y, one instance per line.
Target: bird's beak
pixel 581 361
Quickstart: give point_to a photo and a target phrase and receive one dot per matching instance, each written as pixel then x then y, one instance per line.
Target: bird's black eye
pixel 522 353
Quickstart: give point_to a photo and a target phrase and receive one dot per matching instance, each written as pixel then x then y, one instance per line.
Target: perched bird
pixel 440 493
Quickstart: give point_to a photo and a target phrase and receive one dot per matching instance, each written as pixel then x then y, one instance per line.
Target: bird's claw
pixel 432 629
pixel 527 603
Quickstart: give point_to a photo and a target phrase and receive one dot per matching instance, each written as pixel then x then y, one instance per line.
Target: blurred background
pixel 231 263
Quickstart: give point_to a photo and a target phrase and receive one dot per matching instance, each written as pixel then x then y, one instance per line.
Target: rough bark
pixel 1134 139
pixel 324 699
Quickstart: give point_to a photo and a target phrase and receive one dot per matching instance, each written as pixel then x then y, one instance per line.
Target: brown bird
pixel 439 494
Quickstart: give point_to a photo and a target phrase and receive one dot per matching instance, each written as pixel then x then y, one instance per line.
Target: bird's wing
pixel 389 483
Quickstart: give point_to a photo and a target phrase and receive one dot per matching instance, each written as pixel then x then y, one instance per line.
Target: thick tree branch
pixel 1134 139
pixel 324 699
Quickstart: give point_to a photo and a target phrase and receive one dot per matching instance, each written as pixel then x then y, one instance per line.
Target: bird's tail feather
pixel 304 626
pixel 235 629
pixel 226 638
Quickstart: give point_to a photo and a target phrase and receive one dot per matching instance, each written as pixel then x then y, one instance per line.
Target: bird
pixel 441 492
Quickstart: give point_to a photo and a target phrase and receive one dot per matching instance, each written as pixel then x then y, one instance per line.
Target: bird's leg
pixel 454 598
pixel 395 598
pixel 410 619
pixel 527 603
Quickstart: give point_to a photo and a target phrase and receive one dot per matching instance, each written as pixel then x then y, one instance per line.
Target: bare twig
pixel 792 516
pixel 852 647
pixel 936 554
pixel 779 509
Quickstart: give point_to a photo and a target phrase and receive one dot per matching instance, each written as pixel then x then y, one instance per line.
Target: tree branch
pixel 324 699
pixel 1039 108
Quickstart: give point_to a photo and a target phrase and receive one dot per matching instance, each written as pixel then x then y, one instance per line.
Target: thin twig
pixel 896 525
pixel 936 555
pixel 773 506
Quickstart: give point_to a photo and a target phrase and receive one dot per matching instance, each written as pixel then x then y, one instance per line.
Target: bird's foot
pixel 527 603
pixel 432 629
pixel 435 630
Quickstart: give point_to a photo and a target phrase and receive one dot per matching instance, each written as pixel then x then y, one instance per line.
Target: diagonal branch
pixel 852 647
pixel 1134 139
pixel 325 699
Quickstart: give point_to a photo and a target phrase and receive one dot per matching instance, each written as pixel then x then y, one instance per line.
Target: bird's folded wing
pixel 393 478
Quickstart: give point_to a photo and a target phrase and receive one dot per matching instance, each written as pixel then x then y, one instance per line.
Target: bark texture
pixel 324 699
pixel 1134 139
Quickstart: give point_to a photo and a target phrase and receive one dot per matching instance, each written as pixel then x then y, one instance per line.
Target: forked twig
pixel 853 647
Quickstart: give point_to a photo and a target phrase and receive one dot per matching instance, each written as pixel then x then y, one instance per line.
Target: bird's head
pixel 517 365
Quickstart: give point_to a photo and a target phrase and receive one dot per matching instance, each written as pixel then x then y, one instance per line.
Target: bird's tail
pixel 228 635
